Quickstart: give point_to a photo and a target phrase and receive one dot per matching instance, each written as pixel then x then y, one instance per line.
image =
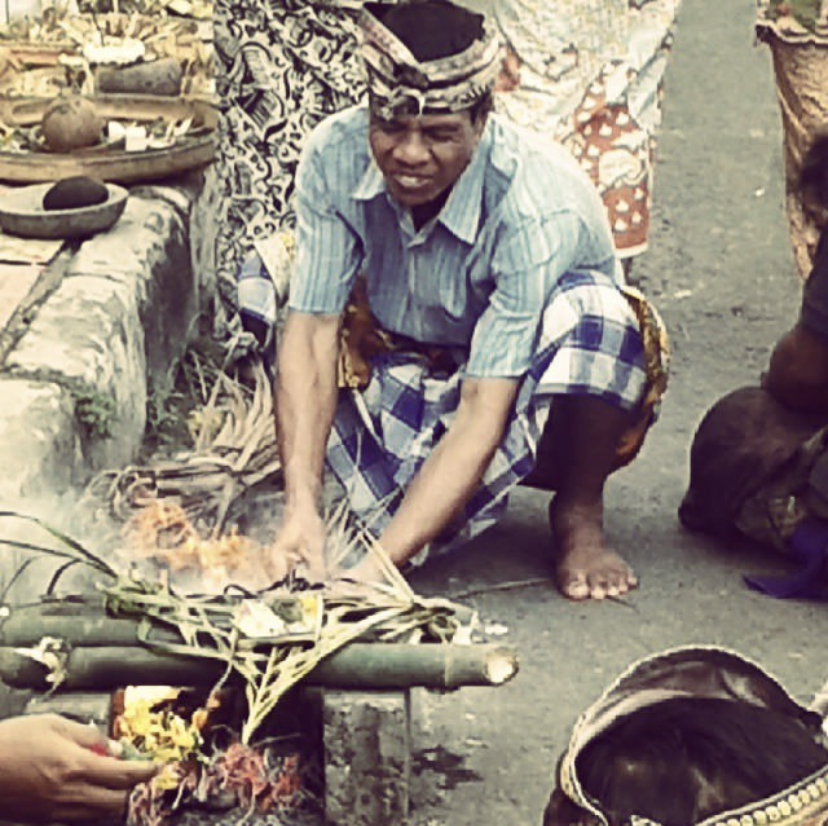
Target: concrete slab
pixel 41 447
pixel 367 738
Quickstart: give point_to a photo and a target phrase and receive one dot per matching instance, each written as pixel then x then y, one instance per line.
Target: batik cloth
pixel 590 76
pixel 799 47
pixel 281 68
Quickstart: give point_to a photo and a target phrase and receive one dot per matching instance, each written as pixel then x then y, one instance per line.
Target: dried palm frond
pixel 235 448
pixel 63 546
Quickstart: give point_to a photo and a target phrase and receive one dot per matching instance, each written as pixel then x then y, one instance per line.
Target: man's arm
pixel 797 373
pixel 452 473
pixel 305 402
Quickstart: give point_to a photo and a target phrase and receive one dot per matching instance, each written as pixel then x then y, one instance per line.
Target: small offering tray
pixel 191 123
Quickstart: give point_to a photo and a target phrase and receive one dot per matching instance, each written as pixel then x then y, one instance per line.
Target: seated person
pixel 471 270
pixel 693 736
pixel 758 463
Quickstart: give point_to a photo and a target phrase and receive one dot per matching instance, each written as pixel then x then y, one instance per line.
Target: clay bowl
pixel 22 214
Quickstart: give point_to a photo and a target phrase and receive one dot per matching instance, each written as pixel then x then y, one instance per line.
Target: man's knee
pixel 797 374
pixel 556 444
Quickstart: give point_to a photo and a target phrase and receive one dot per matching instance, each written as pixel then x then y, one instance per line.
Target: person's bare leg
pixel 586 567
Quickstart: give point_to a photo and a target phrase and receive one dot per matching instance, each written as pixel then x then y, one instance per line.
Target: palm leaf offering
pixel 263 642
pixel 41 56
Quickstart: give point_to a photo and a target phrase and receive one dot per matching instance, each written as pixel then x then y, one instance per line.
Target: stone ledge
pixel 367 739
pixel 39 437
pixel 115 325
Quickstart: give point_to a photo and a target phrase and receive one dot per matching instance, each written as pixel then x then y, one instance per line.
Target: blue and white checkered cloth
pixel 590 345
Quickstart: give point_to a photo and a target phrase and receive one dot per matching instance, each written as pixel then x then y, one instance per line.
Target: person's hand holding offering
pixel 54 769
pixel 300 541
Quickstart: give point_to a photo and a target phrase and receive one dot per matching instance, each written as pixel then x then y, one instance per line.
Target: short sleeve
pixel 328 251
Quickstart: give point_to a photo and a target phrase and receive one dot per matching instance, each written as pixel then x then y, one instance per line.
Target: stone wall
pixel 111 322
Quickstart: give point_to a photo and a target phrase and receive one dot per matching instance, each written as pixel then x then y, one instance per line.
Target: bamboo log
pixel 21 631
pixel 78 623
pixel 358 665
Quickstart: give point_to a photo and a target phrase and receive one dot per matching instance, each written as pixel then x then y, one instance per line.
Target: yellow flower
pixel 168 778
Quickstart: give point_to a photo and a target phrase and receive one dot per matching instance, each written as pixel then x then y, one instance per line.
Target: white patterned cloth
pixel 590 76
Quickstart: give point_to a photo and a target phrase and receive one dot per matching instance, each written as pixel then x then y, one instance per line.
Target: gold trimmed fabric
pixel 801 74
pixel 400 85
pixel 700 672
pixel 804 804
pixel 791 22
pixel 797 36
pixel 657 354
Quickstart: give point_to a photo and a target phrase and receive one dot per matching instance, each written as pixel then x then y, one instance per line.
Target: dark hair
pixel 813 178
pixel 433 29
pixel 480 109
pixel 686 759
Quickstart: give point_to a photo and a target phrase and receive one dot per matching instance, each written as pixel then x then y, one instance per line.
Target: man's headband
pixel 400 85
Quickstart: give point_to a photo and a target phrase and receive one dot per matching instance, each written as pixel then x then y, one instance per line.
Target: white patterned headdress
pixel 400 85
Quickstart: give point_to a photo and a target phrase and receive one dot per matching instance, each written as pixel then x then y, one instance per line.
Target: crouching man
pixel 458 279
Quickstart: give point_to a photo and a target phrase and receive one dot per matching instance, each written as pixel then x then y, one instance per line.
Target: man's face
pixel 422 157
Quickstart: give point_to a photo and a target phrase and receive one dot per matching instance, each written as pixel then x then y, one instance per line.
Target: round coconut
pixel 71 123
pixel 74 193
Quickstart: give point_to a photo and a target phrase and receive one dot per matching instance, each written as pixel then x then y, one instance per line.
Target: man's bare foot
pixel 586 568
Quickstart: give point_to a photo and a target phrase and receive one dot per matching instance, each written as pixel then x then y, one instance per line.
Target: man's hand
pixel 300 541
pixel 453 471
pixel 53 769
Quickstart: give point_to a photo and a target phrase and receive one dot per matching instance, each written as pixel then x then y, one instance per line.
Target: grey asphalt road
pixel 720 269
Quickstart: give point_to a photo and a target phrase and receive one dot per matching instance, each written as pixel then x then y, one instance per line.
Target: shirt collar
pixel 461 213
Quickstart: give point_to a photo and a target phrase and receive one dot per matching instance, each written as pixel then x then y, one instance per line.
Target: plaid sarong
pixel 590 344
pixel 594 340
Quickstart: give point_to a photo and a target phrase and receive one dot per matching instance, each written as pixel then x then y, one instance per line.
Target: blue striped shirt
pixel 479 276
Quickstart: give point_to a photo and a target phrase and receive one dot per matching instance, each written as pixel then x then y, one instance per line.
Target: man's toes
pixel 575 586
pixel 627 582
pixel 599 591
pixel 618 584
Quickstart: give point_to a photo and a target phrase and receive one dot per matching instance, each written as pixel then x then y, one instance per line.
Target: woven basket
pixel 801 71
